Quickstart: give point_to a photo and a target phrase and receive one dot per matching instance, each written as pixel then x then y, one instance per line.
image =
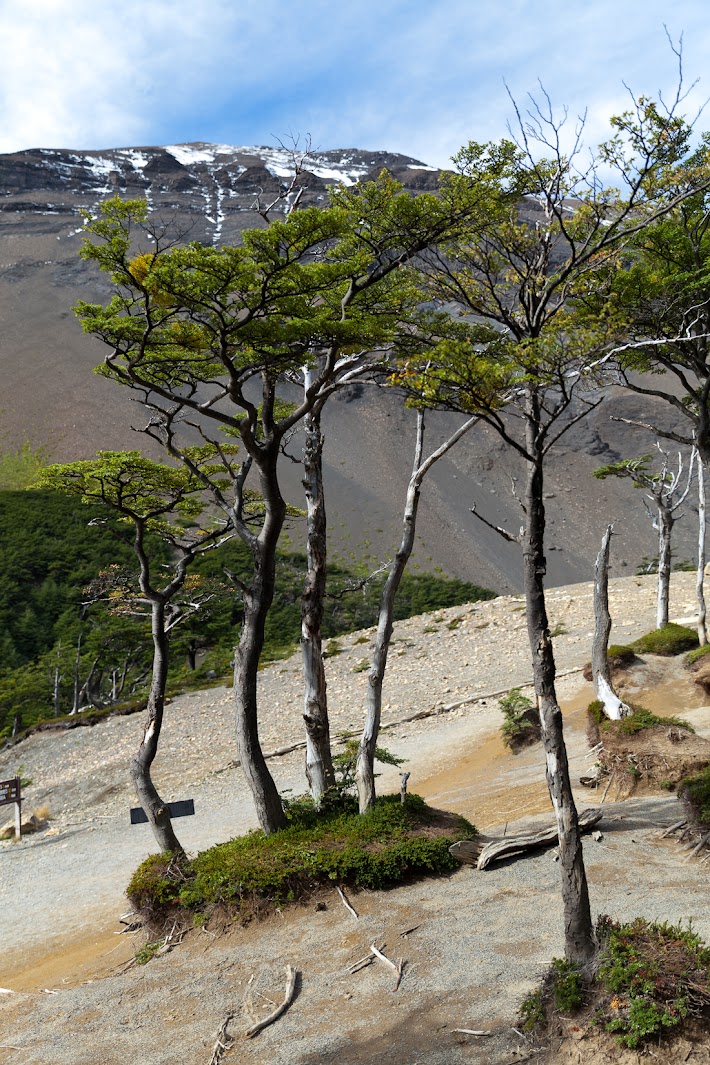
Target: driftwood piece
pixel 674 828
pixel 397 966
pixel 291 975
pixel 223 1043
pixel 472 853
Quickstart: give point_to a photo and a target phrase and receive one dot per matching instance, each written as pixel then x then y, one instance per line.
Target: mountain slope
pixel 207 193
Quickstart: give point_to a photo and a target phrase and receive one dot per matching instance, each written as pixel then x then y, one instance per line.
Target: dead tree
pixel 661 488
pixel 364 770
pixel 601 673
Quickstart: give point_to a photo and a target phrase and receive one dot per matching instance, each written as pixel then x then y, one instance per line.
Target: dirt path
pixel 483 937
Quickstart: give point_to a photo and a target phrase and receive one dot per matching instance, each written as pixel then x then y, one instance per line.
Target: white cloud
pixel 408 75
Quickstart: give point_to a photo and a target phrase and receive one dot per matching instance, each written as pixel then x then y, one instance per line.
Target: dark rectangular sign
pixel 183 808
pixel 9 791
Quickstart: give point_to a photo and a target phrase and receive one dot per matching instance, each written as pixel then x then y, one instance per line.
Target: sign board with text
pixel 9 791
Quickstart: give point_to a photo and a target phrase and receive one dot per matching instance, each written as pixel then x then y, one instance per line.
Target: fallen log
pixel 473 853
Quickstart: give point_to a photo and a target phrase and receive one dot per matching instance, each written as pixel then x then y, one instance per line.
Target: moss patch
pixel 619 656
pixel 388 844
pixel 670 640
pixel 697 653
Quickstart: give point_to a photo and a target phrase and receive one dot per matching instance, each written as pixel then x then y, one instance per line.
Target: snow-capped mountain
pixel 217 184
pixel 51 397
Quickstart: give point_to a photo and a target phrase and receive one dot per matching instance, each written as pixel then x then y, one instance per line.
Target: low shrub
pixel 695 791
pixel 648 978
pixel 521 721
pixel 382 847
pixel 669 640
pixel 654 975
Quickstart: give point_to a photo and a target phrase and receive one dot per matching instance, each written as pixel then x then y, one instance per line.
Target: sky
pixel 421 77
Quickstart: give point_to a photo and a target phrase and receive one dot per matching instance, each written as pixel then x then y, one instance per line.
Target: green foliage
pixel 669 640
pixel 389 843
pixel 567 985
pixel 696 791
pixel 147 952
pixel 19 468
pixel 620 655
pixel 521 723
pixel 344 762
pixel 532 1011
pixel 656 973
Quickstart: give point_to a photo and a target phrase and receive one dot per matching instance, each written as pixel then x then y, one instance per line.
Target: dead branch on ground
pixel 291 976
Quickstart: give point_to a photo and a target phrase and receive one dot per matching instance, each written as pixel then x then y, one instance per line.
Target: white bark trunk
pixel 665 524
pixel 601 674
pixel 364 769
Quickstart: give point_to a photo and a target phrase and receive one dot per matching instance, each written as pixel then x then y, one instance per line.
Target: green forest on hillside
pixel 52 637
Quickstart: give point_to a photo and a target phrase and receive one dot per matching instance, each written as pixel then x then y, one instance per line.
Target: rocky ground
pixel 481 939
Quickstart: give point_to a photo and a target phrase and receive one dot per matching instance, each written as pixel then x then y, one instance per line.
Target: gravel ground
pixel 481 938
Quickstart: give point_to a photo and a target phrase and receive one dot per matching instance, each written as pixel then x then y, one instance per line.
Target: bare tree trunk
pixel 603 688
pixel 364 768
pixel 56 694
pixel 319 761
pixel 579 933
pixel 665 526
pixel 77 687
pixel 146 792
pixel 702 628
pixel 257 600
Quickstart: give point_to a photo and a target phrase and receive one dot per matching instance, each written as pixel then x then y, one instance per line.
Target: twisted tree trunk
pixel 257 600
pixel 156 810
pixel 364 768
pixel 579 933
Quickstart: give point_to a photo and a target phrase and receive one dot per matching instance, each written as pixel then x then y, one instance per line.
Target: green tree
pixel 520 275
pixel 197 331
pixel 148 497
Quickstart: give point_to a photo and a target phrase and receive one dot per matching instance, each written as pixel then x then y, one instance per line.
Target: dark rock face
pixel 207 193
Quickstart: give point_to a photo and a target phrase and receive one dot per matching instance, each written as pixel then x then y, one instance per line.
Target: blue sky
pixel 415 76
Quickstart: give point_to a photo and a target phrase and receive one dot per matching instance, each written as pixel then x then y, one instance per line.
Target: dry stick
pixel 400 970
pixel 220 1047
pixel 361 964
pixel 470 1031
pixel 606 789
pixel 674 828
pixel 291 975
pixel 382 957
pixel 247 1001
pixel 346 904
pixel 699 847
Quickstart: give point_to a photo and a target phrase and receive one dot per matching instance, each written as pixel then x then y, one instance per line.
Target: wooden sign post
pixel 183 808
pixel 10 792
